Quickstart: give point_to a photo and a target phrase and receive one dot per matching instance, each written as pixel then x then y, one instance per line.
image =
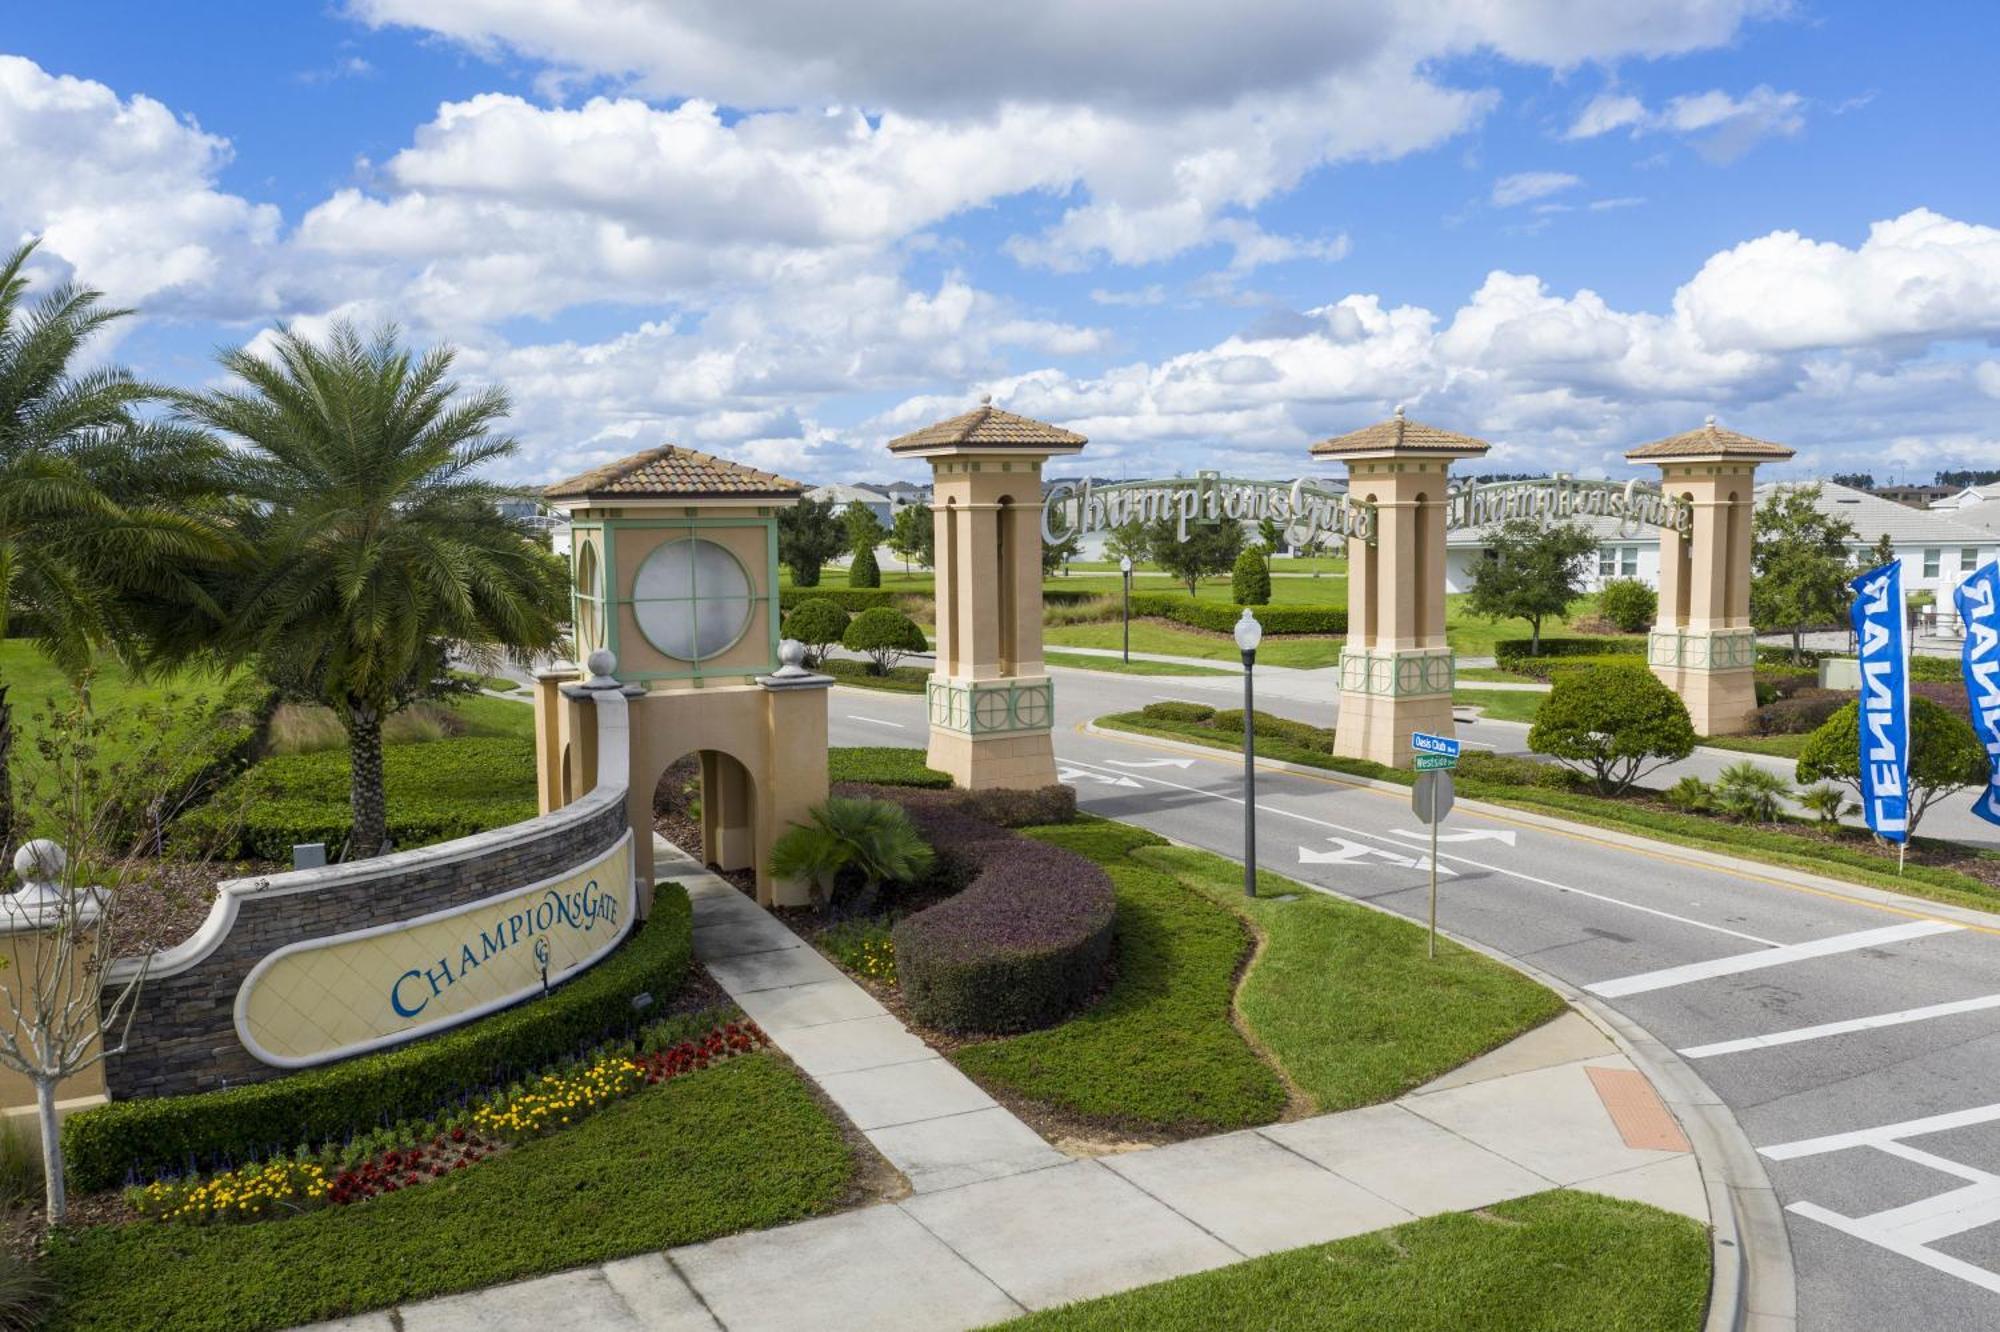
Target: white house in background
pixel 843 495
pixel 1936 548
pixel 1969 498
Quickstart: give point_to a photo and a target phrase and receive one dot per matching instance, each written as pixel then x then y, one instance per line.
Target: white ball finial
pixel 1710 423
pixel 40 862
pixel 986 400
pixel 1399 411
pixel 791 652
pixel 600 664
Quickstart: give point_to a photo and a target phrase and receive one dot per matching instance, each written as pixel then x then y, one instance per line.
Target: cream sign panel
pixel 329 998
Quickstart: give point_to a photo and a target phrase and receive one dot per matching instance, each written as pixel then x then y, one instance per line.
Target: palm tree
pixel 376 550
pixel 874 838
pixel 105 515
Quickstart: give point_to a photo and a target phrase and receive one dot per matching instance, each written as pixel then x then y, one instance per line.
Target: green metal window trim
pixel 1389 673
pixel 998 707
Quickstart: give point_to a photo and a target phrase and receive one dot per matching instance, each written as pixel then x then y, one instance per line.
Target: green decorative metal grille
pixel 1392 674
pixel 1703 649
pixel 991 708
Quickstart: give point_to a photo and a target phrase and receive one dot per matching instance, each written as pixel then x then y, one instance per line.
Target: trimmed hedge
pixel 1801 712
pixel 153 1136
pixel 1220 617
pixel 1273 727
pixel 851 599
pixel 882 765
pixel 1511 653
pixel 1174 710
pixel 1937 670
pixel 437 790
pixel 1025 943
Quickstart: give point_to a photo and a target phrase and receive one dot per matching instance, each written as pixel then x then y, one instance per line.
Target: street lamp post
pixel 1125 567
pixel 1249 634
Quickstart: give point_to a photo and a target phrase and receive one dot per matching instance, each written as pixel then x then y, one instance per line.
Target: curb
pixel 1752 1284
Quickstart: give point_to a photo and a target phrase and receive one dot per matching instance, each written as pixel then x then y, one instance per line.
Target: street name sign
pixel 1434 762
pixel 1425 743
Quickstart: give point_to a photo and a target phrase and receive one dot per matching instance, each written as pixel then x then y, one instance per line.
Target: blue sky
pixel 1204 237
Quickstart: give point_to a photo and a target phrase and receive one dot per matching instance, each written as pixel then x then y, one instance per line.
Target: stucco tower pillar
pixel 1396 669
pixel 990 699
pixel 1702 644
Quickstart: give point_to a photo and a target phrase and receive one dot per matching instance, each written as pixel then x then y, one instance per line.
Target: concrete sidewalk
pixel 1560 1107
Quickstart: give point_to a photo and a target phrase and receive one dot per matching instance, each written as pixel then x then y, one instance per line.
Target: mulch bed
pixel 165 901
pixel 1922 851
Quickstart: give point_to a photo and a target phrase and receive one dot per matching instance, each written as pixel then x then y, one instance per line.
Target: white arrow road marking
pixel 1506 835
pixel 1150 763
pixel 1351 853
pixel 1281 812
pixel 855 716
pixel 1079 775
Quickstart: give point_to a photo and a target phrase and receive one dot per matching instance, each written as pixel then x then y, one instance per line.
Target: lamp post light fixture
pixel 1125 568
pixel 1249 634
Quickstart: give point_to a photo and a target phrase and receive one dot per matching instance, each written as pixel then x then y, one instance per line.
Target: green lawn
pixel 1342 999
pixel 1519 705
pixel 1485 675
pixel 1474 636
pixel 1345 999
pixel 1306 651
pixel 1081 662
pixel 1282 564
pixel 1553 1262
pixel 1330 590
pixel 736 1147
pixel 889 765
pixel 899 680
pixel 35 685
pixel 1158 1053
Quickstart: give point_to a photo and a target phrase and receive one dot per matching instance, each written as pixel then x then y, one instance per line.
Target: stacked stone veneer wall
pixel 184 1036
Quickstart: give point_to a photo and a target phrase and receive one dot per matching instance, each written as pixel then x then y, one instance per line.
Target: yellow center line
pixel 1352 784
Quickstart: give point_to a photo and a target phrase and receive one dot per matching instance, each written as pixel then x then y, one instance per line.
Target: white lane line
pixel 1463 860
pixel 1882 1134
pixel 855 716
pixel 1931 1258
pixel 1735 963
pixel 1825 1029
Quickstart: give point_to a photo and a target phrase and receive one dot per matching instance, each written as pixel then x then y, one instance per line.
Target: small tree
pixel 870 840
pixel 1531 572
pixel 61 1011
pixel 864 571
pixel 816 622
pixel 809 534
pixel 1250 580
pixel 1629 604
pixel 1210 549
pixel 864 529
pixel 1057 554
pixel 1945 754
pixel 1128 540
pixel 1271 535
pixel 1745 791
pixel 886 635
pixel 1881 553
pixel 1799 564
pixel 913 535
pixel 1615 724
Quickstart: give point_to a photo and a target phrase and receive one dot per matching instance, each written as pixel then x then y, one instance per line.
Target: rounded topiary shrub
pixel 1024 944
pixel 817 622
pixel 886 635
pixel 864 571
pixel 1175 710
pixel 1250 580
pixel 1629 604
pixel 1614 724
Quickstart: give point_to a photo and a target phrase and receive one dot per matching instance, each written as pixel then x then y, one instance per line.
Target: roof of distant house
pixel 988 426
pixel 1709 440
pixel 1399 432
pixel 672 472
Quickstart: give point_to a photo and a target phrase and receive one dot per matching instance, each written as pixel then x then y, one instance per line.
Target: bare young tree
pixel 96 856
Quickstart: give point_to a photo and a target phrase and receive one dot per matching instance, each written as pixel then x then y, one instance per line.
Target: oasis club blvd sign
pixel 1313 513
pixel 328 998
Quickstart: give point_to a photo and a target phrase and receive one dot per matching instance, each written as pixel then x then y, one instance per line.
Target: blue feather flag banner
pixel 1978 599
pixel 1881 630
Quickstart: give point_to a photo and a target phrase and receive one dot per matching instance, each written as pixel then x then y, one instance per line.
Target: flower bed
pixel 409 1156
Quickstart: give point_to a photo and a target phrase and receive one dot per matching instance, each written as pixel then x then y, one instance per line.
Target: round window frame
pixel 750 599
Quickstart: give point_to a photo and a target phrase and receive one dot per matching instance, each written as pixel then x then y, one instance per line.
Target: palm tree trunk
pixel 366 798
pixel 6 770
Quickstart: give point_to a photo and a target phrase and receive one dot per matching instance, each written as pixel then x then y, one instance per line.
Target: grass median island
pixel 739 1146
pixel 1515 705
pixel 1790 842
pixel 1158 1053
pixel 1555 1262
pixel 899 680
pixel 1083 661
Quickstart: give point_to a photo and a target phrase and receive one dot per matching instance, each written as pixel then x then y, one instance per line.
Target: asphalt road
pixel 1815 1017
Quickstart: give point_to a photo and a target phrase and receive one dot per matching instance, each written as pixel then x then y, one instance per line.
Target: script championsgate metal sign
pixel 1311 513
pixel 329 998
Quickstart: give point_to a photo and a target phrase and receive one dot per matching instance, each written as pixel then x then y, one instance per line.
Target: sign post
pixel 1436 756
